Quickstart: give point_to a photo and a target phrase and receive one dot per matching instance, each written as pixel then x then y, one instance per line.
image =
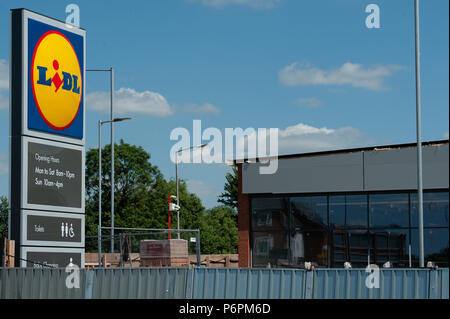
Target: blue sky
pixel 312 69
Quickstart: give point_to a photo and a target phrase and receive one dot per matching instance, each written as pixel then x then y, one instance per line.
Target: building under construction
pixel 353 205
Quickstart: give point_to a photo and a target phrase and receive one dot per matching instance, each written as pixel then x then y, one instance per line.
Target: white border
pixel 24 253
pixel 23 230
pixel 24 199
pixel 57 24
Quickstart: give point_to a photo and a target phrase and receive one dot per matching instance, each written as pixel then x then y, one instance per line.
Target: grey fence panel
pixel 19 283
pixel 224 283
pixel 148 283
pixel 235 283
pixel 335 284
pixel 444 285
pixel 439 284
pixel 393 284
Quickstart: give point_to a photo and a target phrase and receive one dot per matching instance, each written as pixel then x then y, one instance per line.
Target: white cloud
pixel 302 138
pixel 309 102
pixel 206 108
pixel 4 84
pixel 446 135
pixel 266 4
pixel 129 101
pixel 349 73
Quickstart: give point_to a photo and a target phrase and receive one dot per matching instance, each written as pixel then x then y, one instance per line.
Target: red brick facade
pixel 243 223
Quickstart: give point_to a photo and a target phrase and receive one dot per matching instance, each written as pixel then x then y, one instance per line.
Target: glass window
pixel 435 244
pixel 390 245
pixel 270 247
pixel 356 211
pixel 339 248
pixel 389 210
pixel 311 246
pixel 337 211
pixel 309 212
pixel 435 209
pixel 270 214
pixel 358 243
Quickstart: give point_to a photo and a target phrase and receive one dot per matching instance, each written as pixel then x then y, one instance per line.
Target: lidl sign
pixel 55 80
pixel 47 118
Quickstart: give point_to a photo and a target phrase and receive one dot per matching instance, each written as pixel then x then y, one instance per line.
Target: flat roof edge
pixel 343 151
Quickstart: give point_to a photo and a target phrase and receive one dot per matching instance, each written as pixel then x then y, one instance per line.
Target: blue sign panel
pixel 55 80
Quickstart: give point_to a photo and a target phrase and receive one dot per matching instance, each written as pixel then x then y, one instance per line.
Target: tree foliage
pixel 3 217
pixel 230 195
pixel 141 193
pixel 219 232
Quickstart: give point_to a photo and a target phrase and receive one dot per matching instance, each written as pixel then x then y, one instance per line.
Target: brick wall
pixel 243 224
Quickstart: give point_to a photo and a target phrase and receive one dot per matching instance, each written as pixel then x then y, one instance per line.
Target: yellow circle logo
pixel 56 80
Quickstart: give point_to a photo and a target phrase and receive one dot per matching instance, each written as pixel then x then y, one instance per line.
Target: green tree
pixel 3 217
pixel 230 195
pixel 218 231
pixel 135 180
pixel 141 194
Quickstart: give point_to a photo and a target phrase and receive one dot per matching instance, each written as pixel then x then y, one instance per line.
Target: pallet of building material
pixel 164 253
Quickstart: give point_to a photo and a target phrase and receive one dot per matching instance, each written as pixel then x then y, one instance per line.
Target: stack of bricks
pixel 164 253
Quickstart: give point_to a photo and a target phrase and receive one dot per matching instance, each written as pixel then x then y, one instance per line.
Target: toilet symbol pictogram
pixel 71 232
pixel 67 231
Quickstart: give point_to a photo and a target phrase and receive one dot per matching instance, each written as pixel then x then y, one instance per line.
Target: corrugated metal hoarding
pixel 224 283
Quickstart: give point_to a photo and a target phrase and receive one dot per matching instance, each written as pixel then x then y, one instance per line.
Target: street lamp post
pixel 419 138
pixel 99 228
pixel 176 180
pixel 111 70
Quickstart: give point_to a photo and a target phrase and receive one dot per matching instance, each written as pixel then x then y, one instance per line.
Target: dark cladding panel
pixel 396 169
pixel 327 173
pixel 380 170
pixel 435 167
pixel 390 169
